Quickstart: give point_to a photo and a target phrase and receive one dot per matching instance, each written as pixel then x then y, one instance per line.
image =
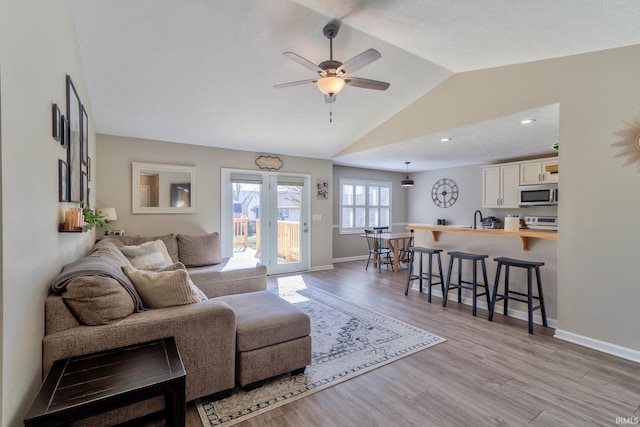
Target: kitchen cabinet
pixel 535 171
pixel 500 185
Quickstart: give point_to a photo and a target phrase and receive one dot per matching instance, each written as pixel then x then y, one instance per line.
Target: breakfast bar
pixel 526 244
pixel 524 234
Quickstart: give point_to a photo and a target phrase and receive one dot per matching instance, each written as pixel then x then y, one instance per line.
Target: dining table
pixel 395 241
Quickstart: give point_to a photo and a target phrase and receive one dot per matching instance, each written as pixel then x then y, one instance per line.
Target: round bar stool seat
pixel 424 275
pixel 509 294
pixel 462 284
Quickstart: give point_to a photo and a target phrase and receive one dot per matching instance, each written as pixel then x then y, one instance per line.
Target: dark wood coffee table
pixel 81 386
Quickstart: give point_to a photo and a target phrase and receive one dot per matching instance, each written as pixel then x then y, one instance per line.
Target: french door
pixel 265 215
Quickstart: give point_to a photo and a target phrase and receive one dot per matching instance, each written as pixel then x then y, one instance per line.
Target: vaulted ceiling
pixel 202 72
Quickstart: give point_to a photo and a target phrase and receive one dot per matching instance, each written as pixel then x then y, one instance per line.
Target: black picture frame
pixel 89 169
pixel 85 136
pixel 84 184
pixel 63 181
pixel 56 122
pixel 64 132
pixel 74 147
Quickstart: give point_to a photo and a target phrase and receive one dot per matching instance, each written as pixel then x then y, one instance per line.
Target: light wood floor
pixel 486 374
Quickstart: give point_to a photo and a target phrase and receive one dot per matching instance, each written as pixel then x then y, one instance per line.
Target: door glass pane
pixel 289 223
pixel 246 219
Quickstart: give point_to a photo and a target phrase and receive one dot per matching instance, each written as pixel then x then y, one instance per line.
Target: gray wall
pixel 597 245
pixel 347 246
pixel 115 155
pixel 38 47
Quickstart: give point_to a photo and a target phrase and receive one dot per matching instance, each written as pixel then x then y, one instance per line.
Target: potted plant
pixel 95 219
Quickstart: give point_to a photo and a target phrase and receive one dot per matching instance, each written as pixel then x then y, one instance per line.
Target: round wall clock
pixel 444 193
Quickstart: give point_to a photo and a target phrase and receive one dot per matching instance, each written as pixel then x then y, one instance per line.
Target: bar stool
pixel 475 258
pixel 529 265
pixel 424 275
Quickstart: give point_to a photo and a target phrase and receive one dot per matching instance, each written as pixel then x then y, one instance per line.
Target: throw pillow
pixel 148 255
pixel 170 241
pixel 180 266
pixel 159 289
pixel 97 300
pixel 195 251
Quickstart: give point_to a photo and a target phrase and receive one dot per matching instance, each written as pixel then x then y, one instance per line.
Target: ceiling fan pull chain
pixel 331 113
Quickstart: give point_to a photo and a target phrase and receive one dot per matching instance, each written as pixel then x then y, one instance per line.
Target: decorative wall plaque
pixel 630 143
pixel 271 163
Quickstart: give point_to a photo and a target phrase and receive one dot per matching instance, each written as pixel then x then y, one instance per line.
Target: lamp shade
pixel 109 214
pixel 331 85
pixel 407 183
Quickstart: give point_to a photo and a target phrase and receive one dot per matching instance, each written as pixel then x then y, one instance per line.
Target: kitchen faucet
pixel 474 218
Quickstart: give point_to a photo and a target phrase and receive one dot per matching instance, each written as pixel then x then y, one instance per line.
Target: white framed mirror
pixel 163 189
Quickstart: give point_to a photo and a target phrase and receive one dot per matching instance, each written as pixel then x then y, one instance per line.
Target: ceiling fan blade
pixel 302 61
pixel 359 61
pixel 328 99
pixel 298 83
pixel 366 83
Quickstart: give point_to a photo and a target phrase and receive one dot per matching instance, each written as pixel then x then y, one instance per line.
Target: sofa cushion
pixel 97 300
pixel 160 289
pixel 148 255
pixel 170 241
pixel 195 251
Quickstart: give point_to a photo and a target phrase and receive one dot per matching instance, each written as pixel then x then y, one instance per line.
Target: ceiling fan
pixel 334 75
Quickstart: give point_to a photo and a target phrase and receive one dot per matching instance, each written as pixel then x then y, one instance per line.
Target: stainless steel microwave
pixel 539 194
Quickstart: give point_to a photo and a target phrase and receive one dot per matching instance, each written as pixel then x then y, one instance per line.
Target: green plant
pixel 95 218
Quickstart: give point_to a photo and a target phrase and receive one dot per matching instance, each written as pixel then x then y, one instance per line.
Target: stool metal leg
pixel 529 301
pixel 459 280
pixel 441 275
pixel 430 277
pixel 506 290
pixel 496 283
pixel 446 288
pixel 486 284
pixel 474 285
pixel 410 254
pixel 421 272
pixel 541 298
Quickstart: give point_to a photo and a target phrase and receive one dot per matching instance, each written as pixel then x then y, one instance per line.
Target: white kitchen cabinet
pixel 500 185
pixel 535 171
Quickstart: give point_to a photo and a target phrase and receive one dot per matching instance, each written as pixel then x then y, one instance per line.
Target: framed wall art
pixel 56 122
pixel 74 148
pixel 63 181
pixel 84 194
pixel 85 136
pixel 64 132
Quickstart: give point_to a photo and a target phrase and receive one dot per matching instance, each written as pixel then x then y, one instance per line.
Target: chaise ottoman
pixel 272 337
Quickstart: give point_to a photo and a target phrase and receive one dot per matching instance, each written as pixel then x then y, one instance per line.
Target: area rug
pixel 347 340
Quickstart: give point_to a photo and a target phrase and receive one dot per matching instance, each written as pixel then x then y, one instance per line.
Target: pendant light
pixel 406 183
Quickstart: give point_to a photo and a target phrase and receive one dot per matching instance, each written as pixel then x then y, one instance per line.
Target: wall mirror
pixel 163 189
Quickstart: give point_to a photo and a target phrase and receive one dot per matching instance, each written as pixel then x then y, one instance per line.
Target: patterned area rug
pixel 347 340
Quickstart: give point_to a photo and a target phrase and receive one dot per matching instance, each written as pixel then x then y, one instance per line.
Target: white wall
pixel 37 49
pixel 597 248
pixel 115 155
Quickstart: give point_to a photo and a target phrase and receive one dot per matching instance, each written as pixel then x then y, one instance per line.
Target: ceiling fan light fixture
pixel 331 85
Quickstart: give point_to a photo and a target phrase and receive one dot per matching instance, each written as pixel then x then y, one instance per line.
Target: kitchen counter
pixel 524 234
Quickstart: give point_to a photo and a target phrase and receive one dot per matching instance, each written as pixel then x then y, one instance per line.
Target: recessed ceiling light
pixel 445 139
pixel 527 121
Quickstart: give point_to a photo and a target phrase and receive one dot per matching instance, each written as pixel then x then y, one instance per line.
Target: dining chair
pixel 403 251
pixel 377 250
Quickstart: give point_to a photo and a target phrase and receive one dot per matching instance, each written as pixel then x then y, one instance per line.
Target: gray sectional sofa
pixel 95 312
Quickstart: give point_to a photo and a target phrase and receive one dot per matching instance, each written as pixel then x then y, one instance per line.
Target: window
pixel 364 204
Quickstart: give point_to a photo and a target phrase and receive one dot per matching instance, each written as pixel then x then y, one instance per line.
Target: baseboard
pixel 322 267
pixel 350 258
pixel 518 314
pixel 604 347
